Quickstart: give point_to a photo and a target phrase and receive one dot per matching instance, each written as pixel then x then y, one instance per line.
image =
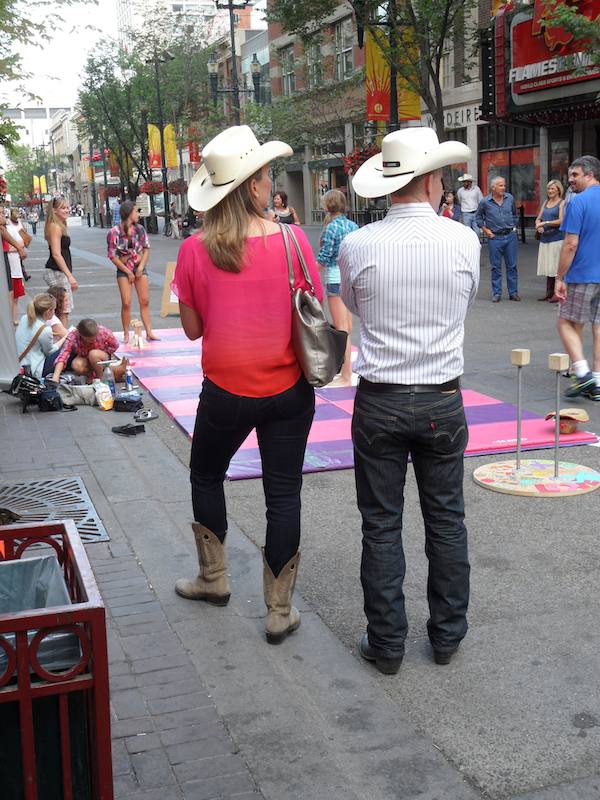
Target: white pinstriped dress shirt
pixel 410 278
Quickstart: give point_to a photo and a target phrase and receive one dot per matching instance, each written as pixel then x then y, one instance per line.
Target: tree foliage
pixel 22 24
pixel 584 30
pixel 417 34
pixel 23 164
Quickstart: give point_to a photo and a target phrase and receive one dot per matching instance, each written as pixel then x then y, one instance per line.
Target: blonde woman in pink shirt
pixel 232 284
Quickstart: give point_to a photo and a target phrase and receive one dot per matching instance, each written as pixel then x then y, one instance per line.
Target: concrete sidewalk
pixel 517 713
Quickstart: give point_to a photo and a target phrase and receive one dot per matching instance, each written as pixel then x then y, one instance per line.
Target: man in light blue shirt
pixel 578 277
pixel 497 217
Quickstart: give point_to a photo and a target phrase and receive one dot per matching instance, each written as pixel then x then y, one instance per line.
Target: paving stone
pixel 165 793
pixel 197 751
pixel 160 663
pixel 120 758
pixel 149 645
pixel 139 618
pixel 119 682
pixel 142 742
pixel 222 787
pixel 158 625
pixel 190 716
pixel 124 728
pixel 164 676
pixel 117 565
pixel 119 549
pixel 119 668
pixel 153 606
pixel 194 733
pixel 128 703
pixel 153 769
pixel 135 584
pixel 179 702
pixel 170 689
pixel 125 785
pixel 135 598
pixel 121 582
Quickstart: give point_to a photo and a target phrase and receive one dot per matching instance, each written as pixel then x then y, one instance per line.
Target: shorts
pixel 54 277
pixel 121 274
pixel 332 289
pixel 18 288
pixel 582 303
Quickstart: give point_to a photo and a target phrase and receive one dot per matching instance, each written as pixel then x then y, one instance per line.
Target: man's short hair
pixel 88 328
pixel 495 180
pixel 590 165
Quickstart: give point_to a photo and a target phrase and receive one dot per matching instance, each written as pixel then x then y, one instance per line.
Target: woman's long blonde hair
pixel 52 217
pixel 40 304
pixel 226 225
pixel 334 203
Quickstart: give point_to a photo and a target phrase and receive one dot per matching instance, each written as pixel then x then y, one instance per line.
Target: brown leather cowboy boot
pixel 211 584
pixel 282 617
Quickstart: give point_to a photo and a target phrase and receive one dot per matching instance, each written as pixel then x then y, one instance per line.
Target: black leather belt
pixel 403 388
pixel 504 231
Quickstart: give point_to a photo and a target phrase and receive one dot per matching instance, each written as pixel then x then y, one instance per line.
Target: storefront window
pixel 559 148
pixel 520 168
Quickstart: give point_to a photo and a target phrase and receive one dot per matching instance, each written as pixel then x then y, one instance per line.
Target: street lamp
pixel 235 86
pixel 255 69
pixel 166 56
pixel 213 71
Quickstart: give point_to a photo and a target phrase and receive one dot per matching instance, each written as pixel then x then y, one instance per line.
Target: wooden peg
pixel 559 362
pixel 520 357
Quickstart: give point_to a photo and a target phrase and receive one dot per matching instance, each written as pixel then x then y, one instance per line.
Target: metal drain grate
pixel 55 498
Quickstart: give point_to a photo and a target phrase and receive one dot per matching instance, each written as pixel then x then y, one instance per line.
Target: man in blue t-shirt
pixel 578 276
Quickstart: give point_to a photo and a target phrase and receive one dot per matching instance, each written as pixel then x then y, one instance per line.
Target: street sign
pixel 143 204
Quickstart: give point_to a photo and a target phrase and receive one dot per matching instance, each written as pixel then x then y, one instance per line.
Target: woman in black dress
pixel 59 269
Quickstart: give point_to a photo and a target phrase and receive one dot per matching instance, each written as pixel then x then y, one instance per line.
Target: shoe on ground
pixel 515 297
pixel 496 298
pixel 580 385
pixel 593 393
pixel 388 666
pixel 443 657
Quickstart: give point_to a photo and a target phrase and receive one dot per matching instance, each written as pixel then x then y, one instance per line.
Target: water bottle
pixel 128 379
pixel 109 379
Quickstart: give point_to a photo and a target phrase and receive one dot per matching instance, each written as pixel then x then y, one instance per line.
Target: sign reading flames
pixel 544 56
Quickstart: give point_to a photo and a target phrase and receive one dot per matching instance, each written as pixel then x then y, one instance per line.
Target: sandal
pixel 129 430
pixel 145 414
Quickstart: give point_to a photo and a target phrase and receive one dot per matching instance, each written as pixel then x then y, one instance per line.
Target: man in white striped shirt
pixel 410 279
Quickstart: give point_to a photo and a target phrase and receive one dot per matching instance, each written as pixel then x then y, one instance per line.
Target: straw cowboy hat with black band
pixel 465 178
pixel 405 155
pixel 233 156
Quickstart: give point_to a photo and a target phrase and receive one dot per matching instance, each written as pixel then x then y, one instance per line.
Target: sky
pixel 56 65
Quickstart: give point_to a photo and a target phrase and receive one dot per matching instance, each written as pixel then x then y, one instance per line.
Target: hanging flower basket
pixel 178 186
pixel 357 158
pixel 113 191
pixel 3 186
pixel 151 187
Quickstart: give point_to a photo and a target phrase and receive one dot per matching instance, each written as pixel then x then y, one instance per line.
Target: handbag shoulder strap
pixel 34 339
pixel 288 234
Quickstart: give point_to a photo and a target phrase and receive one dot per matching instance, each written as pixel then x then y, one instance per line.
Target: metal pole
pixel 167 229
pixel 106 203
pixel 519 418
pixel 54 164
pixel 557 426
pixel 234 75
pixel 92 178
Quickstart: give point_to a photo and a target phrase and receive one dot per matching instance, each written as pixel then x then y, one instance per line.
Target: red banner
pixel 194 151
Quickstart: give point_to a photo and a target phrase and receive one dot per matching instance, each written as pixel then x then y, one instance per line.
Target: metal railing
pixel 362 217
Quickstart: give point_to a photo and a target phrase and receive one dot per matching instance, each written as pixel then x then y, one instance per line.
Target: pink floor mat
pixel 170 371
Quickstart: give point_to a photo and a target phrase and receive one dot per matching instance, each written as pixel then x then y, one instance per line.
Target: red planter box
pixel 61 720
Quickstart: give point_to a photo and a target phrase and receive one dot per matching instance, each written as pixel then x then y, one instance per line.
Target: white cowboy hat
pixel 466 177
pixel 229 159
pixel 405 155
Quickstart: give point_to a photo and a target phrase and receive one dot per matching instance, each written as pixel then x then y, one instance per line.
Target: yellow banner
pixel 409 101
pixel 36 184
pixel 170 147
pixel 43 187
pixel 154 147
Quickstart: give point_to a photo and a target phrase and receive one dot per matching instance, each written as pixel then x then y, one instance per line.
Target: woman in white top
pixel 39 311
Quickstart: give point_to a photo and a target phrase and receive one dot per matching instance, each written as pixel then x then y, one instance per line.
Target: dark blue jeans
pixel 432 429
pixel 282 423
pixel 504 247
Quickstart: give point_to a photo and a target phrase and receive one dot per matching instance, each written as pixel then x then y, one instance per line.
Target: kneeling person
pixel 85 347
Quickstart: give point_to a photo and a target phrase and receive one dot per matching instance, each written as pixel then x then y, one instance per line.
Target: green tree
pixel 414 37
pixel 23 164
pixel 22 24
pixel 586 31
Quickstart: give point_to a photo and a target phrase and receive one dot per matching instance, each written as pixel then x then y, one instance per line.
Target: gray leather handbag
pixel 319 347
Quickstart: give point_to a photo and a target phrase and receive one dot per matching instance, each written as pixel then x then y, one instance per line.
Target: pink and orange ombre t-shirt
pixel 247 316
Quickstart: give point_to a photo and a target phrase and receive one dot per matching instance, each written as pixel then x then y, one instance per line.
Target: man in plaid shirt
pixel 84 348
